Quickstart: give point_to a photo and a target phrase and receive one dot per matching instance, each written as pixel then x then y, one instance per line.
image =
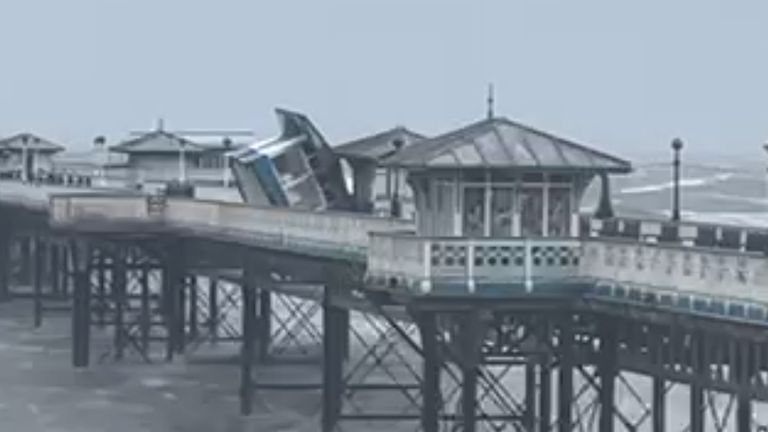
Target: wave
pixel 689 182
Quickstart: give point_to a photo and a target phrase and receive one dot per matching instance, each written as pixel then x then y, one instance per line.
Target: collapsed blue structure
pixel 295 169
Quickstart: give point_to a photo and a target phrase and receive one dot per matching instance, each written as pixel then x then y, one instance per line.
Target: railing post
pixel 426 284
pixel 528 267
pixel 471 266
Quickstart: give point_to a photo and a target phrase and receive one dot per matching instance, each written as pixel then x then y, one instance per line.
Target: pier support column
pixel 5 262
pixel 248 288
pixel 696 388
pixel 172 284
pixel 55 270
pixel 37 268
pixel 119 286
pixel 213 309
pixel 25 259
pixel 565 378
pixel 431 366
pixel 744 371
pixel 530 395
pixel 659 405
pixel 194 330
pixel 545 381
pixel 180 297
pixel 470 337
pixel 607 370
pixel 265 324
pixel 145 320
pixel 81 307
pixel 335 322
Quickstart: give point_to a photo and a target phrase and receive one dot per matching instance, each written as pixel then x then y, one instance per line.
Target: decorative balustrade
pixel 404 261
pixel 733 238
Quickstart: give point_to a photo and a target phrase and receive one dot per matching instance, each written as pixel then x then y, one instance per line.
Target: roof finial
pixel 160 124
pixel 490 101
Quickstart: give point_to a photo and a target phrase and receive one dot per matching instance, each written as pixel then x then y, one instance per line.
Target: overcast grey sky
pixel 625 78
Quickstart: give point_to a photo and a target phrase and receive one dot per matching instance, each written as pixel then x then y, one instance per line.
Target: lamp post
pixel 677 145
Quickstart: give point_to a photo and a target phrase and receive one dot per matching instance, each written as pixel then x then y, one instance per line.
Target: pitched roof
pixel 377 146
pixel 160 141
pixel 502 143
pixel 30 141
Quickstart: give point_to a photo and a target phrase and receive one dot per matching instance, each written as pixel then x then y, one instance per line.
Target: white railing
pixel 704 235
pixel 401 260
pixel 706 271
pixel 344 232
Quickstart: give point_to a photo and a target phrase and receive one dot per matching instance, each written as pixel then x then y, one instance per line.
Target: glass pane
pixel 444 209
pixel 502 200
pixel 559 212
pixel 532 211
pixel 474 212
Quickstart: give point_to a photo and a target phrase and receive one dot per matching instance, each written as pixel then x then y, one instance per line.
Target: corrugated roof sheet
pixel 377 146
pixel 499 143
pixel 30 141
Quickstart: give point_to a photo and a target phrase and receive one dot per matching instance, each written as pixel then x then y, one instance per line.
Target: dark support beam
pixel 565 377
pixel 431 366
pixel 81 310
pixel 5 262
pixel 265 324
pixel 37 269
pixel 607 371
pixel 659 405
pixel 334 323
pixel 180 297
pixel 172 284
pixel 119 287
pixel 469 339
pixel 530 395
pixel 55 270
pixel 249 335
pixel 744 371
pixel 213 309
pixel 696 388
pixel 193 312
pixel 145 319
pixel 545 384
pixel 25 259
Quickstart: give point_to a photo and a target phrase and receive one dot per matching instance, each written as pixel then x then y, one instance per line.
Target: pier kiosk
pixel 497 206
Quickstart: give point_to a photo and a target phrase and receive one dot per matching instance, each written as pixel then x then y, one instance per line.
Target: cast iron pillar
pixel 265 323
pixel 607 370
pixel 145 320
pixel 119 286
pixel 37 269
pixel 248 288
pixel 55 270
pixel 81 307
pixel 565 377
pixel 545 380
pixel 431 366
pixel 659 405
pixel 696 389
pixel 5 260
pixel 470 337
pixel 530 394
pixel 213 309
pixel 172 285
pixel 744 371
pixel 194 329
pixel 335 322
